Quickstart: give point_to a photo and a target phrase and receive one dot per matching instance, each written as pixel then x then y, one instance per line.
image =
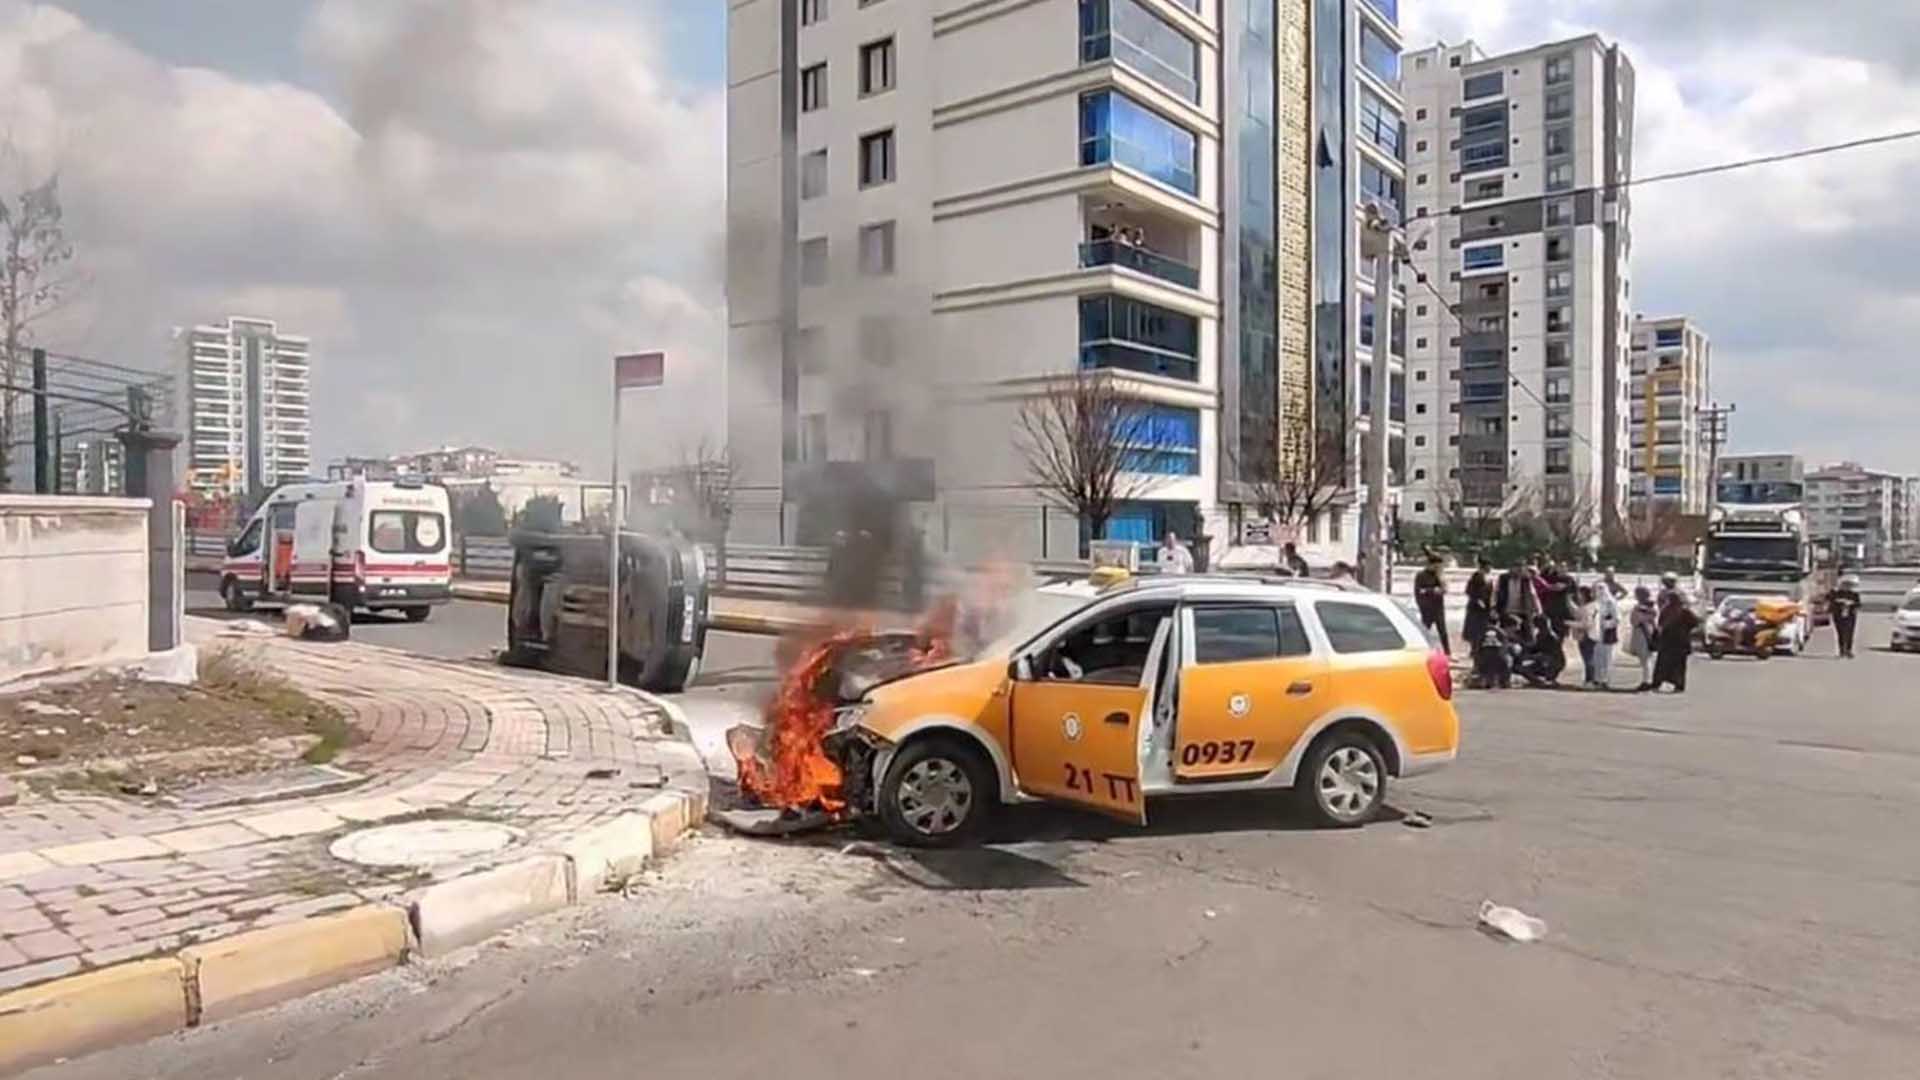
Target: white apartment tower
pixel 1519 349
pixel 247 398
pixel 937 209
pixel 1672 364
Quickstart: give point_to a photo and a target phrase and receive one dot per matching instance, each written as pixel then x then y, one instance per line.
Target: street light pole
pixel 613 551
pixel 1376 243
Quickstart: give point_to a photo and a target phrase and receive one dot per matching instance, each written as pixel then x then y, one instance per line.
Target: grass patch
pixel 227 672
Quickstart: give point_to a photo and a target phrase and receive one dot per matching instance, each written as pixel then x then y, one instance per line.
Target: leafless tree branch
pixel 1085 441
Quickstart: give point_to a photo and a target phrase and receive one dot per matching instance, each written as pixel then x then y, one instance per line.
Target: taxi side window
pixel 1358 628
pixel 1112 651
pixel 1226 635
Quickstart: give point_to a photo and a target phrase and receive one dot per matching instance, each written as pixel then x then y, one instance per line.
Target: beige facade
pixel 1672 382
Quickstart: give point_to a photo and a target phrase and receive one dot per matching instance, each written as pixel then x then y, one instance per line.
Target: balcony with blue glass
pixel 1119 131
pixel 1135 238
pixel 1121 333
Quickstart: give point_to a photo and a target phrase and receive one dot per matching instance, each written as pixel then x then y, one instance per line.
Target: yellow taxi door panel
pixel 1080 743
pixel 1250 688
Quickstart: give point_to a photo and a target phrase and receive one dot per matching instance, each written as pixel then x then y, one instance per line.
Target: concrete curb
pixel 224 978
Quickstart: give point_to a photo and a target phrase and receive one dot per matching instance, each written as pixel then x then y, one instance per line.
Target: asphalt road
pixel 1728 877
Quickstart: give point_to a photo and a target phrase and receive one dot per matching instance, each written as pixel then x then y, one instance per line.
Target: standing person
pixel 1844 603
pixel 1430 596
pixel 1296 565
pixel 1606 609
pixel 1644 631
pixel 1581 626
pixel 1174 556
pixel 1479 604
pixel 1557 598
pixel 1675 643
pixel 1518 594
pixel 1613 586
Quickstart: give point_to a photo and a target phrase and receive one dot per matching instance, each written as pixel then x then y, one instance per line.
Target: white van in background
pixel 363 544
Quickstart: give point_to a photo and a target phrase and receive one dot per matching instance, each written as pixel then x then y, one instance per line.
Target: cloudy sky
pixel 471 204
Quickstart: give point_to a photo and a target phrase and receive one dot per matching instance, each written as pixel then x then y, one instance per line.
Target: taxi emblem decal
pixel 1238 705
pixel 1070 724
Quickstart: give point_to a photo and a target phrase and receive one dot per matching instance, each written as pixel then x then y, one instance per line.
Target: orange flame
pixel 790 768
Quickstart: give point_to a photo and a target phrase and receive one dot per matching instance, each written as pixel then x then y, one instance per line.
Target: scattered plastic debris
pixel 42 708
pixel 26 761
pixel 864 973
pixel 1417 820
pixel 602 773
pixel 1210 913
pixel 1511 922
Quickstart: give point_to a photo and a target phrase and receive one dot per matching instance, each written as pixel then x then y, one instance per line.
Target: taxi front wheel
pixel 937 792
pixel 1343 780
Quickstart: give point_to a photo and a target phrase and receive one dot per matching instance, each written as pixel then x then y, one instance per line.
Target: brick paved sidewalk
pixel 87 881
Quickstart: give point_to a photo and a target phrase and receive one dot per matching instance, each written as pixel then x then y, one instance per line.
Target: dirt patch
pixel 110 729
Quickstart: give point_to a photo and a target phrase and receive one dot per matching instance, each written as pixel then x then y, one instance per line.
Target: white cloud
pixel 506 194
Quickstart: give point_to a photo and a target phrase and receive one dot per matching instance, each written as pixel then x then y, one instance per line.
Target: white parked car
pixel 1906 624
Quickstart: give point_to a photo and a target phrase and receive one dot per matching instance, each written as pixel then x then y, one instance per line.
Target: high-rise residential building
pixel 246 397
pixel 1519 350
pixel 1671 361
pixel 1865 512
pixel 938 211
pixel 95 465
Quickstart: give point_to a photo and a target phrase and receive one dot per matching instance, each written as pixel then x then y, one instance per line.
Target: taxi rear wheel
pixel 938 792
pixel 1343 781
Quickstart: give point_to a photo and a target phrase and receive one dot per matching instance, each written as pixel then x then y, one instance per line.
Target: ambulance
pixel 366 545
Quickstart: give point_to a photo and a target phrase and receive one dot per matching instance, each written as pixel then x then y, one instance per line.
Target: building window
pixel 1559 424
pixel 1559 70
pixel 1492 187
pixel 1559 104
pixel 1384 189
pixel 1381 125
pixel 813 175
pixel 1119 332
pixel 1559 354
pixel 1559 460
pixel 876 158
pixel 813 261
pixel 1483 257
pixel 1668 337
pixel 1560 177
pixel 1488 155
pixel 877 436
pixel 1479 86
pixel 1131 33
pixel 876 249
pixel 1161 439
pixel 1559 284
pixel 1378 57
pixel 813 88
pixel 1560 212
pixel 1115 129
pixel 812 11
pixel 876 67
pixel 1559 140
pixel 1420 114
pixel 1560 319
pixel 1559 389
pixel 1421 343
pixel 813 437
pixel 1559 247
pixel 876 340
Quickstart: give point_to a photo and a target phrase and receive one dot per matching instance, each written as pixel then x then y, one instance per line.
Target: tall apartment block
pixel 247 399
pixel 937 210
pixel 1519 350
pixel 1671 360
pixel 1866 512
pixel 1762 478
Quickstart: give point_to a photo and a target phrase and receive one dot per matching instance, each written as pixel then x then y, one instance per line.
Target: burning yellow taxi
pixel 1109 696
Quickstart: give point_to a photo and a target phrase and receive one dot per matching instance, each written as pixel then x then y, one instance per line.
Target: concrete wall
pixel 73 582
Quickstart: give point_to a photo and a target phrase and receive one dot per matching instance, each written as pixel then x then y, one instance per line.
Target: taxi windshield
pixel 1033 611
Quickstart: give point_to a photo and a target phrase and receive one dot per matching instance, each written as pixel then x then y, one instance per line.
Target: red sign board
pixel 639 370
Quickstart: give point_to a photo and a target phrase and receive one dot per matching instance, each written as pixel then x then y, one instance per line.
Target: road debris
pixel 602 774
pixel 1416 819
pixel 1512 923
pixel 42 708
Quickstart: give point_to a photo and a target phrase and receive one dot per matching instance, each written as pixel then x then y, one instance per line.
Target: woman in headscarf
pixel 1675 642
pixel 1643 628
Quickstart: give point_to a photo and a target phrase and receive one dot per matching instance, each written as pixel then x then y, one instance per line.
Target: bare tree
pixel 32 286
pixel 1568 515
pixel 1090 446
pixel 1303 477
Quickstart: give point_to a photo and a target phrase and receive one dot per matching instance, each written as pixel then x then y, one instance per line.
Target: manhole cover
pixel 422 845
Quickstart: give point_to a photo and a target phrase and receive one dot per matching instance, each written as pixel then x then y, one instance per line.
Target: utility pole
pixel 1376 243
pixel 46 474
pixel 1713 431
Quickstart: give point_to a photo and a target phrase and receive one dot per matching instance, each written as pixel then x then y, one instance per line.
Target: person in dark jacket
pixel 1843 603
pixel 1557 598
pixel 1430 596
pixel 1297 566
pixel 1479 604
pixel 1675 643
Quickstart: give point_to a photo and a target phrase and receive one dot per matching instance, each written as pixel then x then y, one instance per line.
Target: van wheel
pixel 417 614
pixel 235 600
pixel 938 793
pixel 1343 781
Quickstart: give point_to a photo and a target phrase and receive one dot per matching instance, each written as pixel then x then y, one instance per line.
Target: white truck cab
pixel 363 544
